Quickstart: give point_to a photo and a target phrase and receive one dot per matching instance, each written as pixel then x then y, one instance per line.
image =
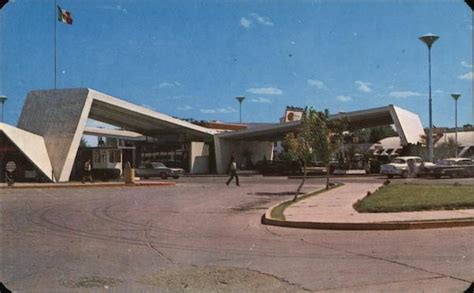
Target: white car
pixel 400 166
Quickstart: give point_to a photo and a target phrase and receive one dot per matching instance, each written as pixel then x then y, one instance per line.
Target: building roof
pixel 465 138
pixel 139 119
pixel 115 133
pixel 60 116
pixel 408 124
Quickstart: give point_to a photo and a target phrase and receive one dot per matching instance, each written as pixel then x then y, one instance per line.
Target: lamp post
pixel 429 39
pixel 3 99
pixel 456 96
pixel 3 161
pixel 240 99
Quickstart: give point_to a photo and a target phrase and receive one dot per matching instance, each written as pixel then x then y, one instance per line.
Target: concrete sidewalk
pixel 334 210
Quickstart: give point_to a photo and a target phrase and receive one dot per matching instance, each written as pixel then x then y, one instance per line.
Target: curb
pixel 93 185
pixel 400 225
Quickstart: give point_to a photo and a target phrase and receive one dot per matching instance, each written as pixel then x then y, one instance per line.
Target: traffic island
pixel 333 210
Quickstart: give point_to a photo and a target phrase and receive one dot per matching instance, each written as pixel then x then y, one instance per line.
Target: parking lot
pixel 201 235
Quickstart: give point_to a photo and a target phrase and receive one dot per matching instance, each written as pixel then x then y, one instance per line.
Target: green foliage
pixel 327 135
pixel 84 143
pixel 447 149
pixel 317 138
pixel 371 134
pixel 380 132
pixel 444 150
pixel 415 150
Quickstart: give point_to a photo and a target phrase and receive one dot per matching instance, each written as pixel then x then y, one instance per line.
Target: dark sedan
pixel 452 167
pixel 157 169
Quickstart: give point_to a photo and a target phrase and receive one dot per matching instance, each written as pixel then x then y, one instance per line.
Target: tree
pixel 350 153
pixel 318 137
pixel 446 149
pixel 380 132
pixel 83 143
pixel 299 146
pixel 327 138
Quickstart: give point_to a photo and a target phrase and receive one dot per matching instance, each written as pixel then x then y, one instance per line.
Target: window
pixel 114 156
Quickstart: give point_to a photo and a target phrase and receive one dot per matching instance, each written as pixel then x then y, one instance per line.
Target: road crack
pixel 438 274
pixel 148 228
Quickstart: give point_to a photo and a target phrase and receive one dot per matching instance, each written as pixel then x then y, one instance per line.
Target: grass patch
pixel 412 197
pixel 277 212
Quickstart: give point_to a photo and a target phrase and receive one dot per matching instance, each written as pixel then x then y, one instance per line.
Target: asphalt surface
pixel 202 236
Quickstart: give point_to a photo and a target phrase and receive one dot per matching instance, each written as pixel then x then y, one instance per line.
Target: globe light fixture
pixel 240 99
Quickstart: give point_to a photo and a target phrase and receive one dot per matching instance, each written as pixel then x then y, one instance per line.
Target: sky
pixel 190 59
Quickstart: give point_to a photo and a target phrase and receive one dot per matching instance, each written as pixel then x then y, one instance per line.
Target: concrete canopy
pixel 263 133
pixel 139 119
pixel 115 133
pixel 408 125
pixel 32 146
pixel 60 116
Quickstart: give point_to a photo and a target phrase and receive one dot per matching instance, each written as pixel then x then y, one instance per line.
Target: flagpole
pixel 55 16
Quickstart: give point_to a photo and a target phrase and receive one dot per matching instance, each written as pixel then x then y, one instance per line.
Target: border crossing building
pixel 47 139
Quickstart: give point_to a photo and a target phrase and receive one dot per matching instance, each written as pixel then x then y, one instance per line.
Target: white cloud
pixel 465 64
pixel 244 22
pixel 261 100
pixel 116 8
pixel 121 9
pixel 467 76
pixel 404 94
pixel 262 19
pixel 266 91
pixel 344 98
pixel 225 110
pixel 438 91
pixel 247 22
pixel 317 83
pixel 169 84
pixel 363 86
pixel 184 108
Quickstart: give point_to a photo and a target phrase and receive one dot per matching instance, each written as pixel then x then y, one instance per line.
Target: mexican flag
pixel 2 3
pixel 64 16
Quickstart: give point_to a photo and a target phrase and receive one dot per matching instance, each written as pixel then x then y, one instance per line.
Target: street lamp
pixel 456 96
pixel 240 99
pixel 3 161
pixel 429 39
pixel 3 99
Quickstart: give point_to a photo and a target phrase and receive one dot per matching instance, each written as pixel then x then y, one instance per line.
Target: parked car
pixel 282 167
pixel 400 166
pixel 452 167
pixel 157 169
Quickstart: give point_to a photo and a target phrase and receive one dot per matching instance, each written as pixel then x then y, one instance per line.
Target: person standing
pixel 87 171
pixel 233 172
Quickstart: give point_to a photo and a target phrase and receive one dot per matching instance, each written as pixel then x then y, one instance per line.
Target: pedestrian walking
pixel 87 172
pixel 233 172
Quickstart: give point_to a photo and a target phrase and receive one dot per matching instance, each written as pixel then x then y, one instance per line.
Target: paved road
pixel 203 236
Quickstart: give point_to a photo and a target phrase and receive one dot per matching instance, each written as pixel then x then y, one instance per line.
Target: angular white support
pixel 32 146
pixel 60 118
